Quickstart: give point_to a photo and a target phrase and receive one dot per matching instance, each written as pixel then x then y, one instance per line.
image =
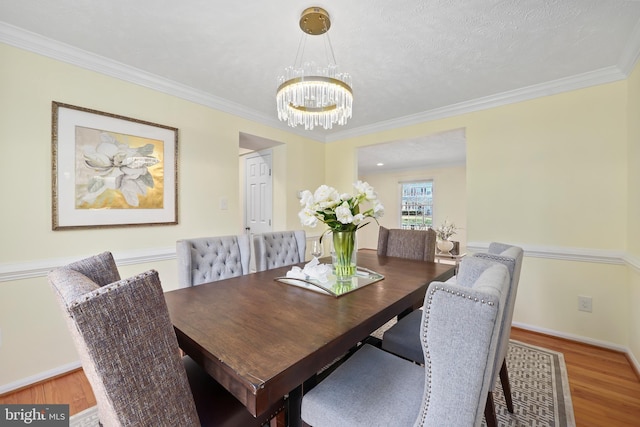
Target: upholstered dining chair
pixel 130 354
pixel 458 337
pixel 208 259
pixel 400 338
pixel 511 256
pixel 411 244
pixel 279 249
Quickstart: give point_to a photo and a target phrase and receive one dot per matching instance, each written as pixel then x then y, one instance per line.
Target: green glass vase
pixel 344 255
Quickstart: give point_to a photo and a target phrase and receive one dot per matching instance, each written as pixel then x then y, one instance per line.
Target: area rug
pixel 86 418
pixel 539 387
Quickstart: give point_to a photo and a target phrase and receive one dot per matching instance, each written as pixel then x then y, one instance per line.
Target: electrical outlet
pixel 584 304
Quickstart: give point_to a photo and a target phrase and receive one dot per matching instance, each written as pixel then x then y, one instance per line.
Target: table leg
pixel 295 403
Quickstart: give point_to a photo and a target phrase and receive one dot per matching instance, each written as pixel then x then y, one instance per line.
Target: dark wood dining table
pixel 261 338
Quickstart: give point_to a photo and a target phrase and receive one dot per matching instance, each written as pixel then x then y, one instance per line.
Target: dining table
pixel 262 338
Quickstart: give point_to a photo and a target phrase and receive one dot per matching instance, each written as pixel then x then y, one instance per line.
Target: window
pixel 417 205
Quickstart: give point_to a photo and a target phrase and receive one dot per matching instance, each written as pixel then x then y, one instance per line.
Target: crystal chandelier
pixel 310 94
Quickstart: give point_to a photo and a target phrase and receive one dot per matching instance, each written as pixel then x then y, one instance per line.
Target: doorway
pixel 258 193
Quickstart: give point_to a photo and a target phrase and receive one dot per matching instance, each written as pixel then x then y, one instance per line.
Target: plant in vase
pixel 343 215
pixel 444 233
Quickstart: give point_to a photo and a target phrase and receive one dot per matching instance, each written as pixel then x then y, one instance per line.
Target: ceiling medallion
pixel 310 94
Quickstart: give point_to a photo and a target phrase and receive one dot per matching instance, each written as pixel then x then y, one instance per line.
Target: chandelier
pixel 310 94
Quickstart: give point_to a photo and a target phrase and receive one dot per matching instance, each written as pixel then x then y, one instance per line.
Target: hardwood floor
pixel 605 389
pixel 72 388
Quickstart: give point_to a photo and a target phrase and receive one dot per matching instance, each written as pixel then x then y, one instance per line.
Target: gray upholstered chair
pixel 458 337
pixel 511 257
pixel 411 244
pixel 208 259
pixel 400 338
pixel 279 249
pixel 130 354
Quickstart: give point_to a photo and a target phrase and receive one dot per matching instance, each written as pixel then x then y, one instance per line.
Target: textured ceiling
pixel 410 60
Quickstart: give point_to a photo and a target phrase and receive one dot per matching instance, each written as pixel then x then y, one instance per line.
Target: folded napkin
pixel 312 270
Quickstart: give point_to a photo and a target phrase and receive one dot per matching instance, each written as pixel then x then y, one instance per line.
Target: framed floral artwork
pixel 111 171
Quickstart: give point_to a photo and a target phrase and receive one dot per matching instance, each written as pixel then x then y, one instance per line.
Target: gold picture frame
pixel 111 171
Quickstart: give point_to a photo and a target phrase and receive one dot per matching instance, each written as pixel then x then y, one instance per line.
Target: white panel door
pixel 258 206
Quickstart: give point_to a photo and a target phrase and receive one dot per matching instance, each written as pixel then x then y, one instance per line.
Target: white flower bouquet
pixel 340 212
pixel 446 230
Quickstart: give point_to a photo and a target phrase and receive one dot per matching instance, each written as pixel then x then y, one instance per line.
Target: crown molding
pixel 631 52
pixel 38 44
pixel 579 81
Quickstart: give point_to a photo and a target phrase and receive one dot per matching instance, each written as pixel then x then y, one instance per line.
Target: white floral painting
pixel 111 171
pixel 115 171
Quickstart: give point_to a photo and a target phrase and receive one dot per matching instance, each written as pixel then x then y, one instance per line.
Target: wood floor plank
pixel 73 389
pixel 34 394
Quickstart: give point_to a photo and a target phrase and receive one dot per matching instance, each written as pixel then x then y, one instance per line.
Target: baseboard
pixel 585 340
pixel 42 376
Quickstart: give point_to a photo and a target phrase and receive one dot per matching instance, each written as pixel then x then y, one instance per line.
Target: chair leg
pixel 506 386
pixel 490 412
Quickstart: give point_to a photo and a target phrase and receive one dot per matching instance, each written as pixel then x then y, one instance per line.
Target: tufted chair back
pixel 279 249
pixel 208 259
pixel 410 244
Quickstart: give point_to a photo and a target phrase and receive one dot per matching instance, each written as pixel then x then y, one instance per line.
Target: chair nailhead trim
pixel 425 328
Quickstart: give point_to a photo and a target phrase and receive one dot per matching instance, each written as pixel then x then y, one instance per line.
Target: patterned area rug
pixel 539 387
pixel 86 418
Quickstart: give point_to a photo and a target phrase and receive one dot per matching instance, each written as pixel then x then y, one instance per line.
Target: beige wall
pixel 449 200
pixel 557 175
pixel 34 339
pixel 549 174
pixel 633 217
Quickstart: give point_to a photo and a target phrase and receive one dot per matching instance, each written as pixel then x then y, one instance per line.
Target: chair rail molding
pixel 39 268
pixel 598 256
pixel 634 262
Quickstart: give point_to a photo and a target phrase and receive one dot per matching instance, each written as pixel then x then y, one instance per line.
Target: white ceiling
pixel 411 60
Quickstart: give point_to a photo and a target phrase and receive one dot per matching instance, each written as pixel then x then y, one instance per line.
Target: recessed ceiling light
pixel 379 164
